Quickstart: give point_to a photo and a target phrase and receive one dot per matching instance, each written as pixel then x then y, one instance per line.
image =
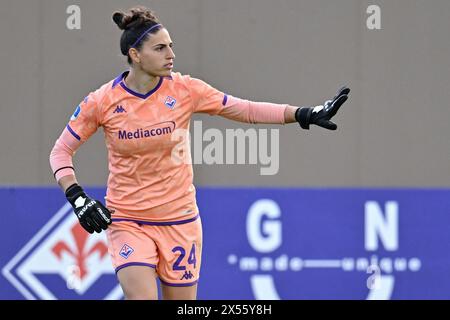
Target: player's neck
pixel 140 82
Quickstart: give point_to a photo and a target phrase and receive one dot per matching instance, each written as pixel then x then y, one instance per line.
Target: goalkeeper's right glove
pixel 321 115
pixel 92 215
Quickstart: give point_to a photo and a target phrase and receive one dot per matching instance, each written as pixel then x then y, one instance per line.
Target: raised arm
pixel 207 99
pixel 257 112
pixel 269 113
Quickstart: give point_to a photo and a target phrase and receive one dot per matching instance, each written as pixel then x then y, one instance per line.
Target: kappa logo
pixel 62 261
pixel 170 102
pixel 126 251
pixel 120 109
pixel 187 275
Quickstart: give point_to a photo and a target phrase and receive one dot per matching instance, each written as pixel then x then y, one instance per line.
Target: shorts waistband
pixel 162 223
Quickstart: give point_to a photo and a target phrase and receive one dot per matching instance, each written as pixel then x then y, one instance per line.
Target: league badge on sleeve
pixel 75 114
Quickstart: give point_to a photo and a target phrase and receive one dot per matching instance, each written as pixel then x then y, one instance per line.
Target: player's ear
pixel 134 55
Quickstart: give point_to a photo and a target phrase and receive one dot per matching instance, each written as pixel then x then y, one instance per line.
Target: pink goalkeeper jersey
pixel 142 133
pixel 145 183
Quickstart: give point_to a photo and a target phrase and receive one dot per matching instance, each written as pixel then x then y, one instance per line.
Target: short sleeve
pixel 206 99
pixel 85 120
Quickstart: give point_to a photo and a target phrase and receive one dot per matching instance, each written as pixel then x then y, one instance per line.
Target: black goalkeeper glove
pixel 93 215
pixel 321 115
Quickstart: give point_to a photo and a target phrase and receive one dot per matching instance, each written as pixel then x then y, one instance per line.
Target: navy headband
pixel 144 34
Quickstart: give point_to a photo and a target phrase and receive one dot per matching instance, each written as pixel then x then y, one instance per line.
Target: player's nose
pixel 171 54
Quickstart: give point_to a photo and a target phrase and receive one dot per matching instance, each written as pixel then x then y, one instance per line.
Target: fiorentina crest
pixel 63 261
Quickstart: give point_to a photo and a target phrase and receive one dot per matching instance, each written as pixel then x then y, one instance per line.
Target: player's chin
pixel 165 72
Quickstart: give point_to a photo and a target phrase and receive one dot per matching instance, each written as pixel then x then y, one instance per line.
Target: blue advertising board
pixel 259 243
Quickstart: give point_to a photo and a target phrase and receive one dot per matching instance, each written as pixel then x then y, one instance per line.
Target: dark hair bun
pixel 118 19
pixel 135 18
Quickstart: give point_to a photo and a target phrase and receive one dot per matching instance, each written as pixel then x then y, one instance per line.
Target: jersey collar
pixel 119 80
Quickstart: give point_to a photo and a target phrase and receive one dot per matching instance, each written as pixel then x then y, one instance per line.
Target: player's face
pixel 156 54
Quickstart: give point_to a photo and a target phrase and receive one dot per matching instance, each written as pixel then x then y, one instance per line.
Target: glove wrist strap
pixel 303 116
pixel 73 192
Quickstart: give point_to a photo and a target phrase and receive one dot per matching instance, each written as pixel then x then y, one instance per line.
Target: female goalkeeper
pixel 155 230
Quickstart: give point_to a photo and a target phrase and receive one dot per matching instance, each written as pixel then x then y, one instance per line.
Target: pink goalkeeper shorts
pixel 174 249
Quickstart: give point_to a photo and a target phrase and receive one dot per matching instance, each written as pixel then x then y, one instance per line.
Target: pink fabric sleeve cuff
pixel 62 153
pixel 253 112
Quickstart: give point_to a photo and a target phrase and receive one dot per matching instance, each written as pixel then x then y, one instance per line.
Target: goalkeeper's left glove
pixel 321 115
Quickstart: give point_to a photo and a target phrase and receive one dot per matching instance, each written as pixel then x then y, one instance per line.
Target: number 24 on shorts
pixel 191 259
